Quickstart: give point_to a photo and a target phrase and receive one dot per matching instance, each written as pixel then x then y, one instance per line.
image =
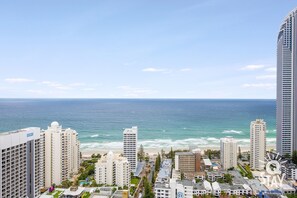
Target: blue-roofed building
pixel 139 168
pixel 164 174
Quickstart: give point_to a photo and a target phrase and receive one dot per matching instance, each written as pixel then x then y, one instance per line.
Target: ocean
pixel 162 123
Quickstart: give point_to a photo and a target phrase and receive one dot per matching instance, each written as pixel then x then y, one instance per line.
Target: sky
pixel 140 49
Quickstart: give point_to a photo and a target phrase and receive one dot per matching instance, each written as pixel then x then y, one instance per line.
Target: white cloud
pixel 89 89
pixel 18 80
pixel 152 69
pixel 77 84
pixel 51 84
pixel 35 91
pixel 260 85
pixel 61 86
pixel 271 69
pixel 266 77
pixel 186 69
pixel 64 87
pixel 252 67
pixel 136 92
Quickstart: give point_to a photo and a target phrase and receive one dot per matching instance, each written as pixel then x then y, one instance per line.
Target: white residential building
pixel 237 190
pixel 258 144
pixel 181 188
pixel 286 116
pixel 62 154
pixel 113 170
pixel 228 147
pixel 21 159
pixel 130 146
pixel 162 190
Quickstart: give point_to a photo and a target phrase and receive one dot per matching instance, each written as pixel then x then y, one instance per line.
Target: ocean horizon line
pixel 137 98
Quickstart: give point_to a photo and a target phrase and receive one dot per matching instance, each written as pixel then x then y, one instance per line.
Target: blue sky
pixel 140 49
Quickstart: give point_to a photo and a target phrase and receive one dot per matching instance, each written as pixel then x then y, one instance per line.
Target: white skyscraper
pixel 113 170
pixel 287 85
pixel 258 144
pixel 228 152
pixel 130 146
pixel 21 162
pixel 62 154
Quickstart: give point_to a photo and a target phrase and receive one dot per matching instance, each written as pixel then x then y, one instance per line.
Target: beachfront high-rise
pixel 21 162
pixel 228 147
pixel 62 154
pixel 257 144
pixel 287 85
pixel 130 146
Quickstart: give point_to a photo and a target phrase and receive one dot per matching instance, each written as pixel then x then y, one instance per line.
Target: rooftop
pixel 162 185
pixel 139 168
pixel 184 153
pixel 256 185
pixel 73 191
pixel 165 170
pixel 207 162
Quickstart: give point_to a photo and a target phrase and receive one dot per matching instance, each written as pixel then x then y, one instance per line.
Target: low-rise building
pixel 256 186
pixel 162 190
pixel 289 169
pixel 165 171
pixel 202 188
pixel 287 189
pixel 182 188
pixel 73 192
pixel 237 190
pixel 207 165
pixel 215 175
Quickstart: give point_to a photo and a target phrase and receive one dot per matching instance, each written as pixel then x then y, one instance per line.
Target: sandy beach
pixel 155 151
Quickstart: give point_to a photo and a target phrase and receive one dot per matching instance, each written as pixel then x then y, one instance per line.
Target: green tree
pixel 228 178
pixel 239 153
pixel 148 192
pixel 223 194
pixel 98 156
pixel 66 184
pixel 162 154
pixel 182 176
pixel 287 156
pixel 147 159
pixel 294 157
pixel 153 177
pixel 158 163
pixel 141 153
pixel 197 180
pixel 94 183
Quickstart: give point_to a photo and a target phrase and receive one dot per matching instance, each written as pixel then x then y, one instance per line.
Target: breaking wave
pixel 207 142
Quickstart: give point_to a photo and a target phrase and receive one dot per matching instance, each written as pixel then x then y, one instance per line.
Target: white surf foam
pixel 231 132
pixel 209 142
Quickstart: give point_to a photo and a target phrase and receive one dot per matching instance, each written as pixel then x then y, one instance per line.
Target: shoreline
pixel 86 153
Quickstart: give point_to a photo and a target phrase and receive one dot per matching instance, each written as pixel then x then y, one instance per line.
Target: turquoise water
pixel 161 123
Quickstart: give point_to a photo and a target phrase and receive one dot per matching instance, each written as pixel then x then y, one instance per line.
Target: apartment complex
pixel 182 188
pixel 257 144
pixel 188 161
pixel 62 154
pixel 113 170
pixel 21 162
pixel 286 117
pixel 130 146
pixel 228 147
